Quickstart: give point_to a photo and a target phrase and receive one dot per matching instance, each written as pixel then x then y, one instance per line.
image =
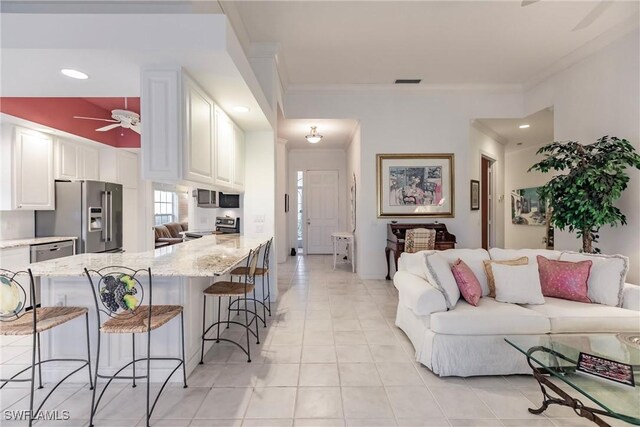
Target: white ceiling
pixel 540 130
pixel 336 133
pixel 31 67
pixel 441 42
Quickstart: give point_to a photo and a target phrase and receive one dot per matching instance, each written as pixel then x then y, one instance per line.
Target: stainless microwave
pixel 206 198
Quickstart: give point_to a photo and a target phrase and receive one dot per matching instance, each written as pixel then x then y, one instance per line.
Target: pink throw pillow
pixel 467 282
pixel 564 279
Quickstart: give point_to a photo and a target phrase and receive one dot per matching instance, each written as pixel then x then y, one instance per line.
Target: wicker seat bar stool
pixel 262 272
pixel 22 315
pixel 236 292
pixel 119 293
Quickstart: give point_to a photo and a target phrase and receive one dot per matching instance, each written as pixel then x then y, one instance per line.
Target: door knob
pixel 308 222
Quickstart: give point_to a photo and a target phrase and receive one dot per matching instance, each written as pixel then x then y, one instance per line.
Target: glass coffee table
pixel 555 356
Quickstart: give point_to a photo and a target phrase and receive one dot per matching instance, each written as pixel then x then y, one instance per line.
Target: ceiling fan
pixel 120 118
pixel 588 19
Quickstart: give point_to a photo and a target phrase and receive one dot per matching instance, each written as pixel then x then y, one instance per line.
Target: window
pixel 165 206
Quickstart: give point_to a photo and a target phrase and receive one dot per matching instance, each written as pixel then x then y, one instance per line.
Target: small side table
pixel 343 237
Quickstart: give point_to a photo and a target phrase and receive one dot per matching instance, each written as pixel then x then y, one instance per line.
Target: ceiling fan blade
pixel 108 127
pixel 593 15
pixel 528 2
pixel 95 118
pixel 136 129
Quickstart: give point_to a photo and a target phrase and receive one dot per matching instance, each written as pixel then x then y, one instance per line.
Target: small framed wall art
pixel 475 195
pixel 415 185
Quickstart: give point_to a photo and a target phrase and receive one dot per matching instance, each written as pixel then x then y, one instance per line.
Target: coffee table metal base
pixel 564 399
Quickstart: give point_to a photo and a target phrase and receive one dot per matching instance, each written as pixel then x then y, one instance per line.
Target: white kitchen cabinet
pixel 75 160
pixel 89 163
pixel 224 149
pixel 238 159
pixel 119 166
pixel 32 186
pixel 67 160
pixel 199 134
pixel 15 258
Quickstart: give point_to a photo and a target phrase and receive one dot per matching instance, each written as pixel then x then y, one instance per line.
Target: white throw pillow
pixel 474 259
pixel 440 276
pixel 607 277
pixel 518 284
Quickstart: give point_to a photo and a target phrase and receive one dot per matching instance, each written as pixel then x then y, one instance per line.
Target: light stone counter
pixel 208 256
pixel 14 243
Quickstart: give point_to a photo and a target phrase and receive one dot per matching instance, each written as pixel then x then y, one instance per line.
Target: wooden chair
pixel 119 293
pixel 17 317
pixel 236 292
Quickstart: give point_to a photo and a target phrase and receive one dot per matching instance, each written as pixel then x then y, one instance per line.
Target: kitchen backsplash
pixel 16 225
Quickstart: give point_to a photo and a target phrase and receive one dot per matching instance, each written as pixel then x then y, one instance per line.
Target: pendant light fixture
pixel 314 137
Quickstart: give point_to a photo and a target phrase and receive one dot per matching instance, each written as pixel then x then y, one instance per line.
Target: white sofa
pixel 467 340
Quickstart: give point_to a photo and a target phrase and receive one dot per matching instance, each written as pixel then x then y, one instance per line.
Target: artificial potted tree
pixel 592 178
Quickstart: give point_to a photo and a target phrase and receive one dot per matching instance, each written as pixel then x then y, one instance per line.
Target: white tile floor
pixel 331 356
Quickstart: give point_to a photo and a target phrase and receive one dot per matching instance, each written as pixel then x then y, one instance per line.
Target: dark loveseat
pixel 169 233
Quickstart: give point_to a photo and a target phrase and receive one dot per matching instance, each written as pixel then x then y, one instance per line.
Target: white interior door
pixel 321 189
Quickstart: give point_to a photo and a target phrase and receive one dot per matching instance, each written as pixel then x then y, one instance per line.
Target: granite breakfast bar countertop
pixel 208 256
pixel 14 243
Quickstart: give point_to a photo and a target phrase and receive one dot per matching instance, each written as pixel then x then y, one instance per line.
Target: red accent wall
pixel 58 113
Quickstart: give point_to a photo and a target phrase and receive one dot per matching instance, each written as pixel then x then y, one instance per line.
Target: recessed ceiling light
pixel 74 74
pixel 519 143
pixel 525 126
pixel 241 109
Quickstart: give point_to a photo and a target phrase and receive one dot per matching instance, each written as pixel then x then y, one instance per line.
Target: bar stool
pixel 343 237
pixel 236 292
pixel 121 294
pixel 262 273
pixel 14 320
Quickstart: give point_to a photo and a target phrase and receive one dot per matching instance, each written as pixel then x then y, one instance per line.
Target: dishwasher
pixel 49 251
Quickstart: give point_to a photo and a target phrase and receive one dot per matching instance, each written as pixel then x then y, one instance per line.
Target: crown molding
pixel 489 132
pixel 585 51
pixel 509 87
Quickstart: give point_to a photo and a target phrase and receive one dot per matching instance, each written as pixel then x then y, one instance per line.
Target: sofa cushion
pixel 473 258
pixel 578 317
pixel 184 226
pixel 174 228
pixel 161 231
pixel 502 254
pixel 468 283
pixel 489 318
pixel 418 295
pixel 608 274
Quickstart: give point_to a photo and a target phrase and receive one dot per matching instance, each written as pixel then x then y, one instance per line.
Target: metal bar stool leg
pixel 133 352
pixel 148 375
pixel 246 319
pixel 255 316
pixel 268 292
pixel 95 383
pixel 86 319
pixel 264 307
pixel 218 327
pixel 184 367
pixel 229 312
pixel 33 378
pixel 39 364
pixel 204 326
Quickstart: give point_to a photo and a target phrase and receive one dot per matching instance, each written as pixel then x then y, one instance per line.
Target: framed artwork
pixel 415 185
pixel 475 195
pixel 527 208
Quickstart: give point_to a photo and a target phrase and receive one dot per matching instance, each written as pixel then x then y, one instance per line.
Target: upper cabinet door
pixel 90 163
pixel 67 160
pixel 33 185
pixel 224 149
pixel 199 134
pixel 238 157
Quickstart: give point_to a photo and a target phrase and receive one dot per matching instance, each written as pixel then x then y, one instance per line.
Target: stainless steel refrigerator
pixel 88 210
